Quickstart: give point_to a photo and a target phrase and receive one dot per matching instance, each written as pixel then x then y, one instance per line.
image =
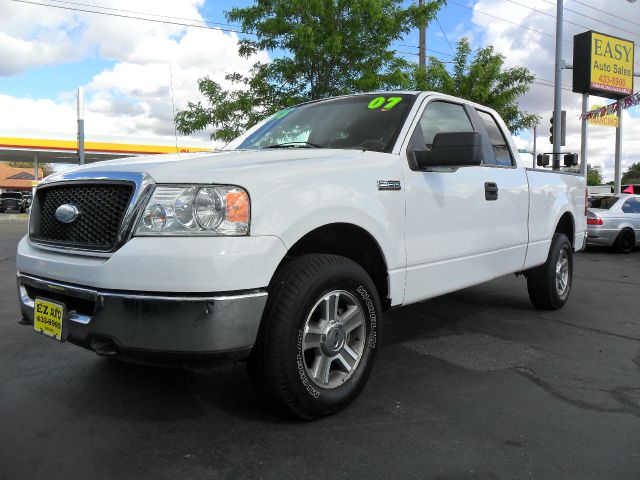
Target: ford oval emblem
pixel 67 213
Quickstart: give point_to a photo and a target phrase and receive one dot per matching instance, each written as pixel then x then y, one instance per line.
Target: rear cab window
pixel 498 141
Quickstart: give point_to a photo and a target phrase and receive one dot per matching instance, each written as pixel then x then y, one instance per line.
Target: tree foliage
pixel 324 48
pixel 594 177
pixel 632 175
pixel 481 79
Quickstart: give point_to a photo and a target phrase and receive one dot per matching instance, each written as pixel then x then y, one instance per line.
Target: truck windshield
pixel 365 122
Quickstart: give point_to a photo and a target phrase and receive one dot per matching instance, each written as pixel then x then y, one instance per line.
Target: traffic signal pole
pixel 557 94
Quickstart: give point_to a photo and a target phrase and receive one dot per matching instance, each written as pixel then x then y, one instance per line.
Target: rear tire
pixel 317 341
pixel 549 284
pixel 625 241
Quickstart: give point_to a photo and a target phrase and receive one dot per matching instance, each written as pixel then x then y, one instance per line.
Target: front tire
pixel 549 284
pixel 318 338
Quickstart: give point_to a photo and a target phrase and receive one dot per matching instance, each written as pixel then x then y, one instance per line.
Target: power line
pixel 169 22
pixel 440 53
pixel 509 21
pixel 596 9
pixel 208 22
pixel 569 21
pixel 445 36
pixel 504 20
pixel 551 86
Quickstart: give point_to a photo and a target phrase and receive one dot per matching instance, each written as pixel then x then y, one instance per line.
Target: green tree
pixel 324 48
pixel 481 79
pixel 632 175
pixel 594 177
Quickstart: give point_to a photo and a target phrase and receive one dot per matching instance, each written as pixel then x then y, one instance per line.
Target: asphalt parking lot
pixel 472 385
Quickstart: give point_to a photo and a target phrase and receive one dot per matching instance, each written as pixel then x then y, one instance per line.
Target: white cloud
pixel 134 97
pixel 536 51
pixel 27 44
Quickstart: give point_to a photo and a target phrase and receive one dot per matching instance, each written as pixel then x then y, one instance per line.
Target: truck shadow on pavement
pixel 118 389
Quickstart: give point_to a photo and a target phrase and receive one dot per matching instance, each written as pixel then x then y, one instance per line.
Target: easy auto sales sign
pixel 602 65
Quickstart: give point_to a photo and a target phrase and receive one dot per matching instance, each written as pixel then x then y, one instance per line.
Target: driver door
pixel 453 221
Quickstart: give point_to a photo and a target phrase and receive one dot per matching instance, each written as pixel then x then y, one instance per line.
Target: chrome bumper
pixel 150 322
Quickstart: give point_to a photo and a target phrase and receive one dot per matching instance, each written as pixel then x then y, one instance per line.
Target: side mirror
pixel 457 149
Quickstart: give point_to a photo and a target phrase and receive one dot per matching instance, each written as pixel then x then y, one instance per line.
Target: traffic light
pixel 542 160
pixel 563 128
pixel 571 160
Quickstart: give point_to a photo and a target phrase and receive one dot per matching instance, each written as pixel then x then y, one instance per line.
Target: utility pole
pixel 422 46
pixel 557 94
pixel 80 126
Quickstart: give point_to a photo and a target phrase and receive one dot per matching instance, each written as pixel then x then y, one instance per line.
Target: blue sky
pixel 50 81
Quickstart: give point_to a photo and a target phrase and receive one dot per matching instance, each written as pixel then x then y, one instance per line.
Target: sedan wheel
pixel 625 242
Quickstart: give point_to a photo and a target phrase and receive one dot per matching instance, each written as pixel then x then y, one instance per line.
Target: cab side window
pixel 498 141
pixel 439 117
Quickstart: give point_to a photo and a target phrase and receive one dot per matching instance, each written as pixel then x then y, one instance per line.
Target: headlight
pixel 196 210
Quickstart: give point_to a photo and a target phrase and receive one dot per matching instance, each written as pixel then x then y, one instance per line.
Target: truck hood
pixel 231 166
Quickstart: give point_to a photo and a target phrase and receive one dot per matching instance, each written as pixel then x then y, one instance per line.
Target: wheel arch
pixel 566 224
pixel 350 241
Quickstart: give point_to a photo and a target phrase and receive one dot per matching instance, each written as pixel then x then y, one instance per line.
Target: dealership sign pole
pixel 603 66
pixel 617 180
pixel 583 135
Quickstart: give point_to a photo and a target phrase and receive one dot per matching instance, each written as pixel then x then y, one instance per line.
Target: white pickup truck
pixel 286 247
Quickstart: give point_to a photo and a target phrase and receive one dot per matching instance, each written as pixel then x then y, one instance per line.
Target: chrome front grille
pixel 101 206
pixel 106 206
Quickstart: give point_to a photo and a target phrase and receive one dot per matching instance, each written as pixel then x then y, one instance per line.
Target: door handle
pixel 490 191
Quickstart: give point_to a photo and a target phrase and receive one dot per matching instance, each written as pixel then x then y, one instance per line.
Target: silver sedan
pixel 614 222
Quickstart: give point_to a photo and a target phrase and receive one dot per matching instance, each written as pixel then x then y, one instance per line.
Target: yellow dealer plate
pixel 48 317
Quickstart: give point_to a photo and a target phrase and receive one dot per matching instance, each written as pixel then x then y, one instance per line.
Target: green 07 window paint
pixel 388 103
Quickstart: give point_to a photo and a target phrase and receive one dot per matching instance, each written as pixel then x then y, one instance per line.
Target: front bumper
pixel 112 322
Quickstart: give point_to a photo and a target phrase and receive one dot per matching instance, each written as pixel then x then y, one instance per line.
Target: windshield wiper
pixel 294 144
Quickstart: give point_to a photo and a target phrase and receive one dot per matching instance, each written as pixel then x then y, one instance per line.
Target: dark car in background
pixel 12 201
